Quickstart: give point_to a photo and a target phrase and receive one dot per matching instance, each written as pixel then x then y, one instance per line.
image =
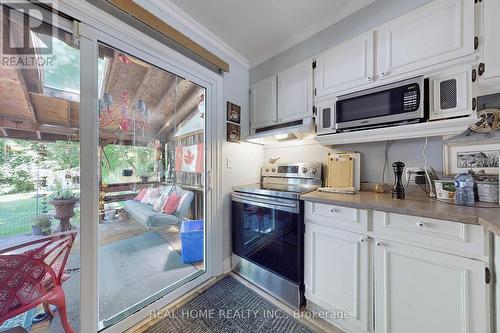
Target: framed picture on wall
pixel 475 156
pixel 233 112
pixel 233 133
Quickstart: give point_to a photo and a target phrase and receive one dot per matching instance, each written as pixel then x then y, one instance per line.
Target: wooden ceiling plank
pixel 27 95
pixel 140 92
pixel 4 132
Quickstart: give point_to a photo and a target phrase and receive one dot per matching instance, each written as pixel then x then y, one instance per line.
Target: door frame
pixel 97 26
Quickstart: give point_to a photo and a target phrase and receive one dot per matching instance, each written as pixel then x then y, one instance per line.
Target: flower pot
pixel 64 211
pixel 37 231
pixel 127 172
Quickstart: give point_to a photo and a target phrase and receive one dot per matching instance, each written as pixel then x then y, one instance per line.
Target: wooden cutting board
pixel 340 170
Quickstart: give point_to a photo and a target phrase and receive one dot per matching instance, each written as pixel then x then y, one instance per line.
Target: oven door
pixel 269 232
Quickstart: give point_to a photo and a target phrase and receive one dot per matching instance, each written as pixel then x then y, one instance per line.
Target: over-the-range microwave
pixel 398 102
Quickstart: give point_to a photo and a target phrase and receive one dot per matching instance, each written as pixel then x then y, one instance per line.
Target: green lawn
pixel 17 212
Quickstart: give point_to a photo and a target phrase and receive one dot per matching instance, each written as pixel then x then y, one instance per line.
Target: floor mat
pixel 228 306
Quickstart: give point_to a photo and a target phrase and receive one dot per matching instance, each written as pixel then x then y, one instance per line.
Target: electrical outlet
pixel 410 173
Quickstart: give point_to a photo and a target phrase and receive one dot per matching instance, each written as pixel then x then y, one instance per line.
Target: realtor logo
pixel 27 31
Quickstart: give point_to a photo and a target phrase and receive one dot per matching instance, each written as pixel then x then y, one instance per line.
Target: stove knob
pixel 313 170
pixel 304 170
pixel 267 169
pixel 273 169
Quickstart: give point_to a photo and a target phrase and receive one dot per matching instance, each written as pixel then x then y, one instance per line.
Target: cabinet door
pixel 491 37
pixel 345 66
pixel 432 34
pixel 263 101
pixel 419 290
pixel 295 92
pixel 336 274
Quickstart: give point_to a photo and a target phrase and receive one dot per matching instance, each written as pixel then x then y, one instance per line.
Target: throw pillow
pixel 141 194
pixel 171 203
pixel 160 202
pixel 145 199
pixel 154 195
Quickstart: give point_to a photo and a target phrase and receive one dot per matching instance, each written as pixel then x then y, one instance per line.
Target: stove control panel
pixel 292 170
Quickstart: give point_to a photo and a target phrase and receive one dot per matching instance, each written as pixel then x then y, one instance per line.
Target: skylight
pixel 65 75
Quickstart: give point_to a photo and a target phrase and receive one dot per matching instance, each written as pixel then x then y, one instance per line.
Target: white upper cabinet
pixel 284 97
pixel 433 34
pixel 344 66
pixel 295 92
pixel 263 103
pixel 337 275
pixel 491 38
pixel 418 290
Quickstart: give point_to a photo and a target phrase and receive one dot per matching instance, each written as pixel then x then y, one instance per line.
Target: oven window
pixel 268 237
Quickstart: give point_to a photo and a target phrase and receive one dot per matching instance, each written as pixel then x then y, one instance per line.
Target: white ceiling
pixel 261 29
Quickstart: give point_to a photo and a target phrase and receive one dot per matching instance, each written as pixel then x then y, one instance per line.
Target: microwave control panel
pixel 411 97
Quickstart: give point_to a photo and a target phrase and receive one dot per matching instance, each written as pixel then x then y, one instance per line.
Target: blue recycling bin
pixel 192 241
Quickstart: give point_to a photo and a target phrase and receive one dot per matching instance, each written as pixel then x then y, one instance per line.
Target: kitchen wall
pixel 361 21
pixel 372 155
pixel 372 160
pixel 246 157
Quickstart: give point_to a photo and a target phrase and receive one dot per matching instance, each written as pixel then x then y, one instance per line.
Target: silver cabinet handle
pixel 384 74
pixel 333 210
pixel 362 239
pixel 368 78
pixel 420 224
pixel 378 243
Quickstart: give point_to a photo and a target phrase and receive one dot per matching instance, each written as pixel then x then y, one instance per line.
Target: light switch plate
pixel 229 162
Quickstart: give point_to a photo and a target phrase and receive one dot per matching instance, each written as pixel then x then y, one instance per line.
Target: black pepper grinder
pixel 398 190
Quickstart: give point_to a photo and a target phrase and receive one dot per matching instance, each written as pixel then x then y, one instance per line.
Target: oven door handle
pixel 258 201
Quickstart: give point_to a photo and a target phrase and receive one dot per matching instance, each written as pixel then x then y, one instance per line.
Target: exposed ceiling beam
pixel 31 107
pixel 33 127
pixel 186 105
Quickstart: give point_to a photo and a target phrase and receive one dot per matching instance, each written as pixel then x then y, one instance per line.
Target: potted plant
pixel 64 203
pixel 42 225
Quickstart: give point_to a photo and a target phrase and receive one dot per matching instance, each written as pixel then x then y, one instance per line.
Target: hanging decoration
pixel 124 116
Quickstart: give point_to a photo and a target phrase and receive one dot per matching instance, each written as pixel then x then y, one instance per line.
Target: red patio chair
pixel 32 274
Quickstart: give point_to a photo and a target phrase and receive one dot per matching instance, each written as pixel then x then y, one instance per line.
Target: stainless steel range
pixel 268 228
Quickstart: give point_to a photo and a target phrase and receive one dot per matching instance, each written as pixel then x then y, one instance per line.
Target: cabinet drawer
pixel 449 236
pixel 350 219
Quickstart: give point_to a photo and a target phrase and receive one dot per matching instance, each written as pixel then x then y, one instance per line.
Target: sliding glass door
pixel 151 182
pixel 107 142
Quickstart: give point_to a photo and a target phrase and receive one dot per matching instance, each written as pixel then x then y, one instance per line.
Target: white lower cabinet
pixel 337 275
pixel 392 279
pixel 418 290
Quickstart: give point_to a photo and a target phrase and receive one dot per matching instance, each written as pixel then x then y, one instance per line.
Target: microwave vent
pixel 448 94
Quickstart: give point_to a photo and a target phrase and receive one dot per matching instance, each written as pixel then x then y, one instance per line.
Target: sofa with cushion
pixel 149 208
